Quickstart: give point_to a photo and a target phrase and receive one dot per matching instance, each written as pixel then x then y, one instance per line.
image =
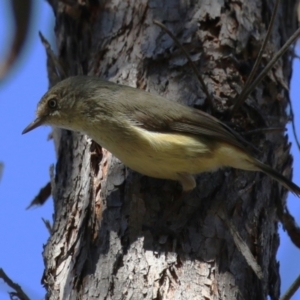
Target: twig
pixel 291 290
pixel 259 130
pixel 19 292
pixel 241 98
pixel 241 245
pixel 269 66
pixel 162 26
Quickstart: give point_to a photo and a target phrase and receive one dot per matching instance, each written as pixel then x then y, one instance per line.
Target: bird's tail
pixel 295 189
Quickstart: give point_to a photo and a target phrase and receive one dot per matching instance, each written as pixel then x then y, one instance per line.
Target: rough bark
pixel 103 245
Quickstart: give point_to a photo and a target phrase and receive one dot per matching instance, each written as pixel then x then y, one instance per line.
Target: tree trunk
pixel 105 243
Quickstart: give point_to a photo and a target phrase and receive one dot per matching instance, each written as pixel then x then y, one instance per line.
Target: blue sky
pixel 27 160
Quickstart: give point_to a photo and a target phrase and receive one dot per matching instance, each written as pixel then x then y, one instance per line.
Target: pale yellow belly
pixel 164 155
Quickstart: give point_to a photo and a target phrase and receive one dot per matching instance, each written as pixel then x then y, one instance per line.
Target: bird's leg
pixel 187 181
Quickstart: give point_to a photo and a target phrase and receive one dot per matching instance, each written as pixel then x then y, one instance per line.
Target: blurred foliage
pixel 21 13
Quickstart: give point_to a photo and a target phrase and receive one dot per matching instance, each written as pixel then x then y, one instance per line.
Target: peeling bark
pixel 102 245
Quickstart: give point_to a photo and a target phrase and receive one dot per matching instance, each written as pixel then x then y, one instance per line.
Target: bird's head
pixel 68 104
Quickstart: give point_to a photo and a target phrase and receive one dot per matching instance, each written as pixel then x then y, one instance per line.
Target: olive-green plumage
pixel 148 133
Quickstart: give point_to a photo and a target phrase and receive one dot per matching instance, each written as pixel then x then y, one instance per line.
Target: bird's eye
pixel 52 103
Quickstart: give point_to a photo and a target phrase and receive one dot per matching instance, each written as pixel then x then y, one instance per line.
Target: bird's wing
pixel 182 119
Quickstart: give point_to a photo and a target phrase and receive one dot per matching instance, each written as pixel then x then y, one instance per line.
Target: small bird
pixel 148 133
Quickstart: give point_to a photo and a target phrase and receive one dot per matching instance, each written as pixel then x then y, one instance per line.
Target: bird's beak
pixel 36 123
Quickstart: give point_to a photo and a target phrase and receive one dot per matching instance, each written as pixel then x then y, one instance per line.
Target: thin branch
pixel 241 245
pixel 291 290
pixel 241 98
pixel 19 292
pixel 162 26
pixel 266 130
pixel 269 66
